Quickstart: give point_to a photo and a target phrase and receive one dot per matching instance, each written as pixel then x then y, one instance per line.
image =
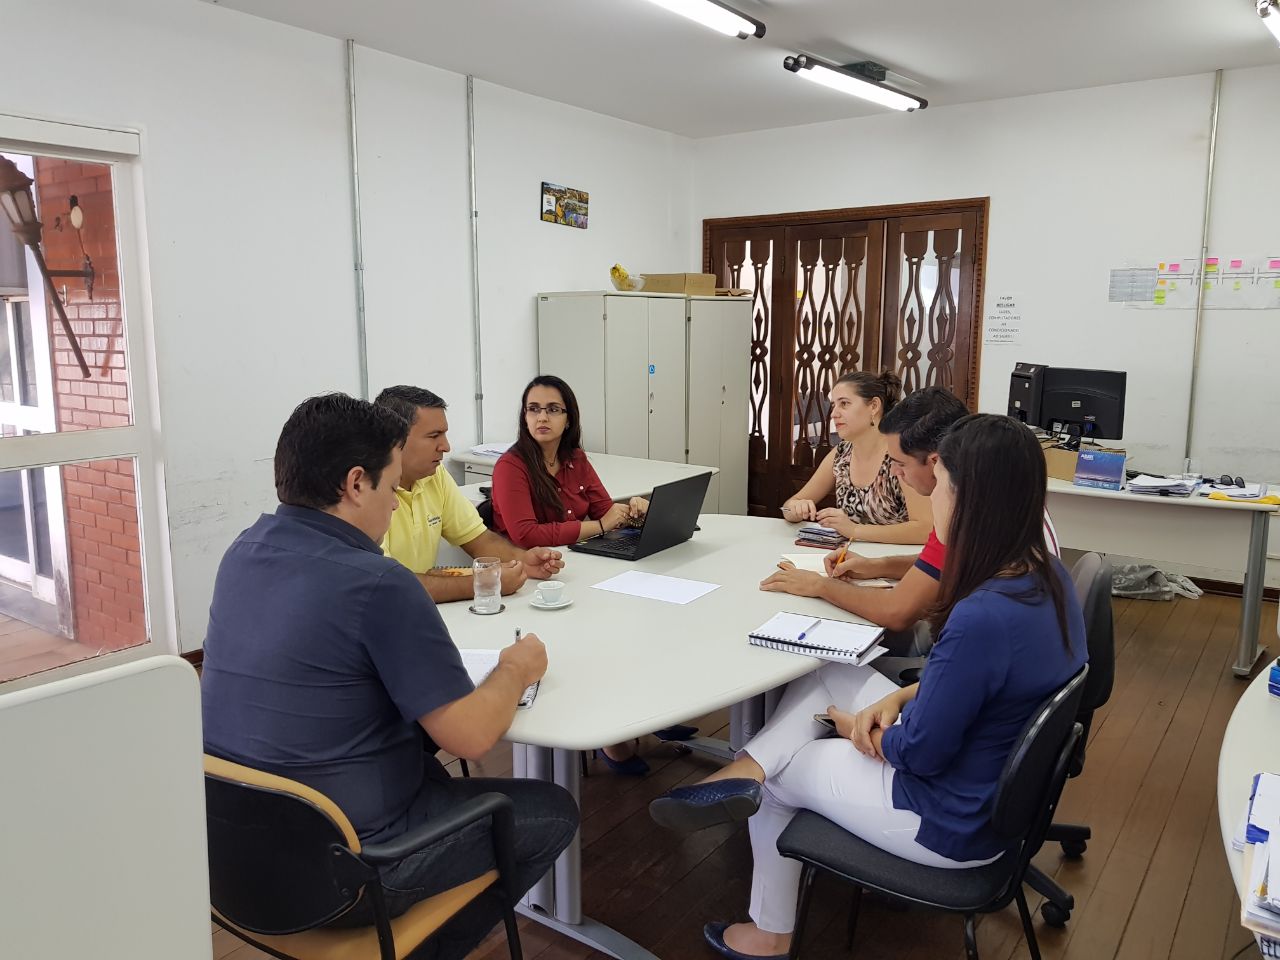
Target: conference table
pixel 1195 530
pixel 1249 747
pixel 621 666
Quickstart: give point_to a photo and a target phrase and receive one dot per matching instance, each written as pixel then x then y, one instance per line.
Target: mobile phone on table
pixel 825 720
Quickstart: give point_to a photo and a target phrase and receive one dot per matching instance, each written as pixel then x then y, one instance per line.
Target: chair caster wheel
pixel 1054 915
pixel 1074 849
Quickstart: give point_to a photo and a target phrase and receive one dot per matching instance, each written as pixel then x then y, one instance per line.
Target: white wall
pixel 1080 182
pixel 413 185
pixel 248 227
pixel 1237 425
pixel 639 181
pixel 412 130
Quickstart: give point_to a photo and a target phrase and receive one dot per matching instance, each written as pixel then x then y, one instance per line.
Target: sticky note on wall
pixel 1237 264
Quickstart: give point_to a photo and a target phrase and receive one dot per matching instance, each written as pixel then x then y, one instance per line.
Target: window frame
pixel 141 440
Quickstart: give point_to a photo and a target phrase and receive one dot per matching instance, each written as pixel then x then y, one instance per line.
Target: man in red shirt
pixel 913 429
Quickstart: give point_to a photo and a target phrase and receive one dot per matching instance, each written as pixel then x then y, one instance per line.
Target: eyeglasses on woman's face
pixel 551 409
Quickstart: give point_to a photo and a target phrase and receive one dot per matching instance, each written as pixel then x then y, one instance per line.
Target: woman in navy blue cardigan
pixel 913 770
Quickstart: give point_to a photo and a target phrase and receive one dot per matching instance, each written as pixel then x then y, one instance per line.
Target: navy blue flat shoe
pixel 633 766
pixel 685 809
pixel 677 731
pixel 713 933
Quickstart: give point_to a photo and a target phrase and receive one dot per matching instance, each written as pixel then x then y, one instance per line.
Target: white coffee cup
pixel 550 592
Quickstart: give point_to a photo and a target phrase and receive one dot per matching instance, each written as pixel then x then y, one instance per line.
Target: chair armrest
pixel 495 805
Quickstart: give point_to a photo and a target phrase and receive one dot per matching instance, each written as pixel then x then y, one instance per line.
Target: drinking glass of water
pixel 487 573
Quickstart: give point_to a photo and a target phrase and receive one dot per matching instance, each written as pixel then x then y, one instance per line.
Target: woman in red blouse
pixel 545 491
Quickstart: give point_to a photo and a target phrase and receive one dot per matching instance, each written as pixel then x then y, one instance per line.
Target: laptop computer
pixel 672 518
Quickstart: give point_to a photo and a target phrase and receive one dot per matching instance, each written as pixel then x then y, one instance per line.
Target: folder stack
pixel 815 535
pixel 1259 838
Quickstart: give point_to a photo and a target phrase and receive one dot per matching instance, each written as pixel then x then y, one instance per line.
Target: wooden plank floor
pixel 1154 882
pixel 25 649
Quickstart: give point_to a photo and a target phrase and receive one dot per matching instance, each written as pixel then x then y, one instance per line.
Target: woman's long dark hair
pixel 546 494
pixel 997 526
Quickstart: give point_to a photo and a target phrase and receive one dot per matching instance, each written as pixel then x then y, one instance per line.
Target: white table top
pixel 623 477
pixel 621 666
pixel 1195 500
pixel 1249 746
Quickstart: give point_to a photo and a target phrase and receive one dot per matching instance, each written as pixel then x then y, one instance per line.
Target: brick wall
pixel 100 497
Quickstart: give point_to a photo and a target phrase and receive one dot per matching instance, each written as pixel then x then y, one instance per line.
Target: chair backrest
pixel 282 857
pixel 1036 770
pixel 485 509
pixel 1092 577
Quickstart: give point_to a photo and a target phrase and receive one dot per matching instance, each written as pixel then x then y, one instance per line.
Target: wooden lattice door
pixel 897 288
pixel 929 336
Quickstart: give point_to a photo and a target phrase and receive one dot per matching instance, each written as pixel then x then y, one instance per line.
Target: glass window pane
pixel 40 517
pixel 13 518
pixel 41 349
pixel 25 352
pixel 6 356
pixel 88 543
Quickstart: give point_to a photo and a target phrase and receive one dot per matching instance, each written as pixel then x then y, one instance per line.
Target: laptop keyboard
pixel 617 548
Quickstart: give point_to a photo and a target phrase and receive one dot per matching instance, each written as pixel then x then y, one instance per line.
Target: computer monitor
pixel 1087 403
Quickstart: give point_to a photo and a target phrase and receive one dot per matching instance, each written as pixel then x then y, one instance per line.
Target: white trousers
pixel 807 769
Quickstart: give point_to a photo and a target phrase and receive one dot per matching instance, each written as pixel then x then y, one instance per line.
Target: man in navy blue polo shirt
pixel 325 662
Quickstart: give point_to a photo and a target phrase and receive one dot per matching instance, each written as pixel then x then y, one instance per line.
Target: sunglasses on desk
pixel 1226 480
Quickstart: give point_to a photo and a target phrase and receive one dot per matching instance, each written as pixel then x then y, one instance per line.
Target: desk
pixel 1249 746
pixel 1192 530
pixel 620 667
pixel 623 477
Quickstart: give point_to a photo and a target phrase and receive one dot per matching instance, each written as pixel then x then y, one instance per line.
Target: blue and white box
pixel 1099 468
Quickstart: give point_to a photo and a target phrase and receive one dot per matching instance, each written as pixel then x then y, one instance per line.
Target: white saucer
pixel 549 606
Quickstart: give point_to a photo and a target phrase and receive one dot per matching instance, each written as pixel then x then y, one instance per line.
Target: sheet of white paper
pixel 813 562
pixel 1266 803
pixel 480 663
pixel 653 586
pixel 494 450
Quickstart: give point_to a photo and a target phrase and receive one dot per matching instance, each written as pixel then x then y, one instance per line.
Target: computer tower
pixel 1025 388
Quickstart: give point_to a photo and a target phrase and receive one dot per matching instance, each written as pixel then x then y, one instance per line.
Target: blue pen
pixel 805 632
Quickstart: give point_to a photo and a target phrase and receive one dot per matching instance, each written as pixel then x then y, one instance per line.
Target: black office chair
pixel 1026 797
pixel 284 861
pixel 1092 577
pixel 485 506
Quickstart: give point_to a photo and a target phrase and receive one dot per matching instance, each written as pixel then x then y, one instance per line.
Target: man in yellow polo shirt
pixel 431 508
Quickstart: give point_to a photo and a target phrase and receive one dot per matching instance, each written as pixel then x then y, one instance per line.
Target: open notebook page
pixel 813 563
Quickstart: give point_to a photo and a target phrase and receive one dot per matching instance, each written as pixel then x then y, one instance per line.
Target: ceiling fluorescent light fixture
pixel 717 16
pixel 1269 11
pixel 848 80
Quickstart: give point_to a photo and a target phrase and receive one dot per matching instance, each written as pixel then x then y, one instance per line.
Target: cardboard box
pixel 1061 464
pixel 692 284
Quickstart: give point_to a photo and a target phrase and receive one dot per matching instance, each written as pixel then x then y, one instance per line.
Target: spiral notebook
pixel 819 637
